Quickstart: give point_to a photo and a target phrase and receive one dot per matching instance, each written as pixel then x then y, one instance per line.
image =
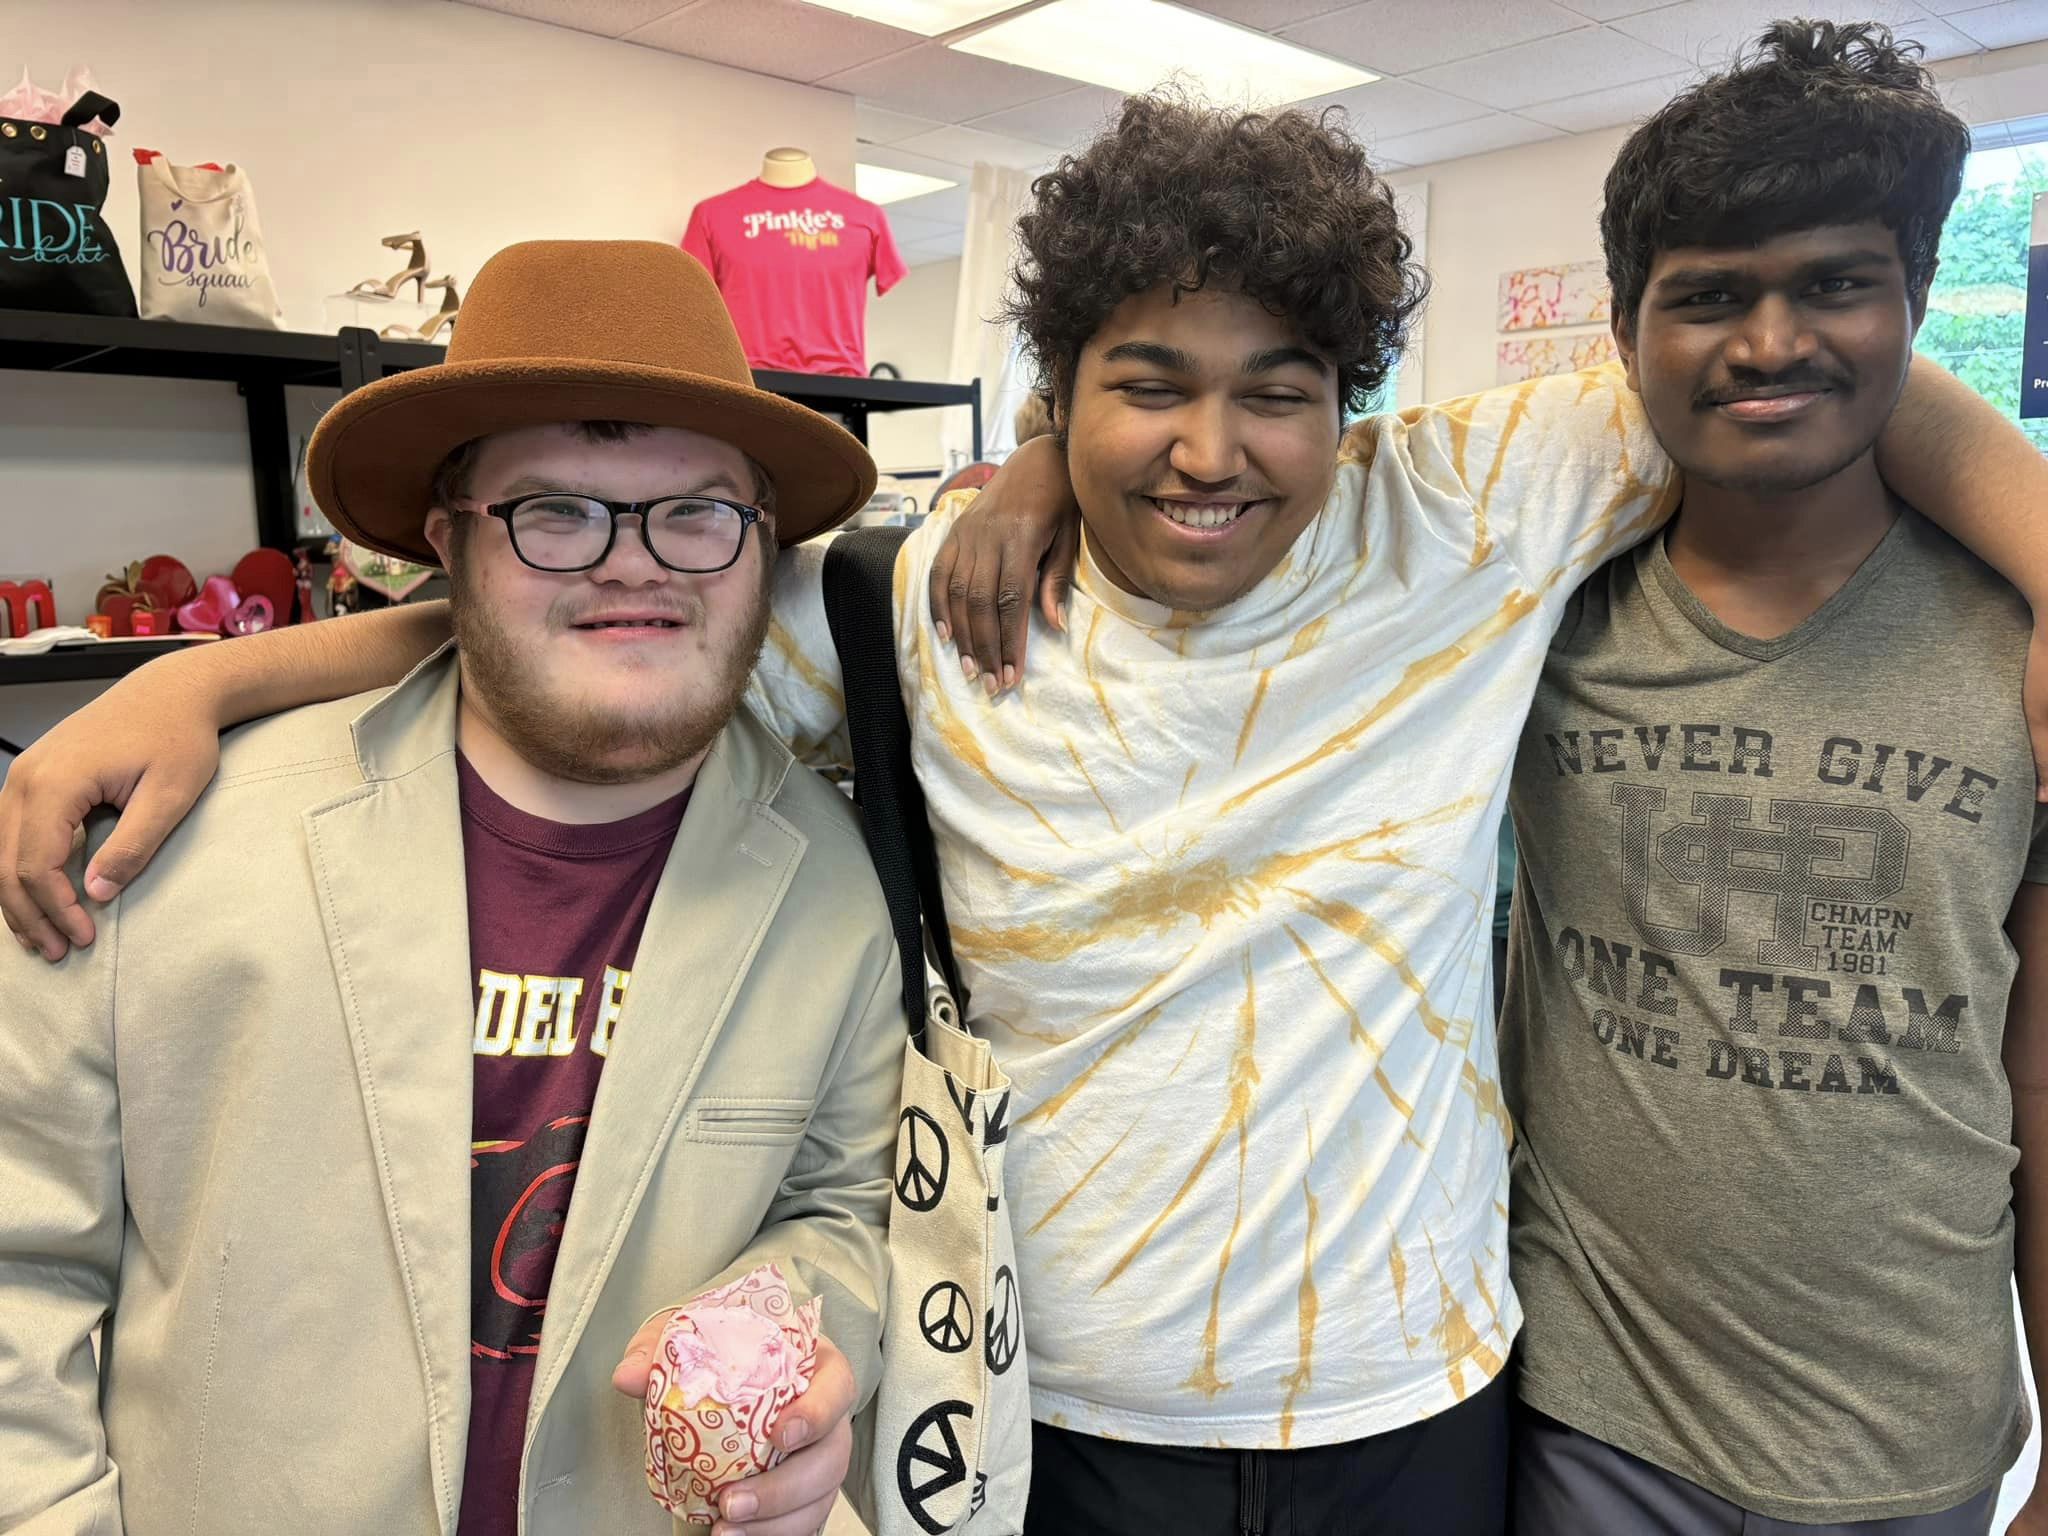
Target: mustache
pixel 1742 384
pixel 690 611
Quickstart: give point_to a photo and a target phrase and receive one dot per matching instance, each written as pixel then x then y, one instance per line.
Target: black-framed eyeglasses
pixel 562 531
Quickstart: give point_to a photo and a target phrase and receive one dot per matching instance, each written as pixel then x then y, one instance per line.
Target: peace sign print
pixel 946 1318
pixel 942 1464
pixel 1005 1326
pixel 922 1160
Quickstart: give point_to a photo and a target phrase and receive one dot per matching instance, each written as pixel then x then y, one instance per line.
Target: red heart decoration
pixel 168 583
pixel 209 611
pixel 270 573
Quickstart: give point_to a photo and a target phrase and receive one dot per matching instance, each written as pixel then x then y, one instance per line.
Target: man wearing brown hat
pixel 471 1023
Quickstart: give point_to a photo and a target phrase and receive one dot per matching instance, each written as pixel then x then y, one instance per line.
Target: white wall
pixel 355 119
pixel 1529 206
pixel 359 118
pixel 912 326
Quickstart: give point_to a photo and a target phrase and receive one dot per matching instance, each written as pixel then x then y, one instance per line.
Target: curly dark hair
pixel 1282 206
pixel 1819 124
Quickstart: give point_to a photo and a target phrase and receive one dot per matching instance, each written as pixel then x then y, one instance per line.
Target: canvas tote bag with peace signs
pixel 945 1449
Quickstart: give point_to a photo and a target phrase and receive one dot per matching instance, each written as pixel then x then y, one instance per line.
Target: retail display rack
pixel 261 363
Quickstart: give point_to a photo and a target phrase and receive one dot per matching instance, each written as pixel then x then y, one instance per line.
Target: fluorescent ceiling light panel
pixel 880 184
pixel 1134 45
pixel 929 17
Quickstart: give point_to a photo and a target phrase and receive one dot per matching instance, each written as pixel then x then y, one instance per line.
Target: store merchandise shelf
pixel 31 339
pixel 84 663
pixel 263 362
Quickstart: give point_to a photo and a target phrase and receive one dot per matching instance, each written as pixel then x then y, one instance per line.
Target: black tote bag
pixel 56 251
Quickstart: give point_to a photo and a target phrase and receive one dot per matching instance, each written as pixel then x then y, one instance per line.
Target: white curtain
pixel 1411 203
pixel 982 346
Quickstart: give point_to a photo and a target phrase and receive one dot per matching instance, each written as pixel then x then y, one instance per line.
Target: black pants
pixel 1446 1476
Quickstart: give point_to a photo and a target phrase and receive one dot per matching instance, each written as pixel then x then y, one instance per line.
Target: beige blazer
pixel 237 1129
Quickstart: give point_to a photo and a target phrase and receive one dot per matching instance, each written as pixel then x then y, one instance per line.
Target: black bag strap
pixel 860 585
pixel 92 105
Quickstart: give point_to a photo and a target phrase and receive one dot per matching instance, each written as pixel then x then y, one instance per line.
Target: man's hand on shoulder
pixel 137 747
pixel 1021 537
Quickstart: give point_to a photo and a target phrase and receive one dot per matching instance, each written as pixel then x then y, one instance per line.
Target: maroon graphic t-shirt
pixel 555 913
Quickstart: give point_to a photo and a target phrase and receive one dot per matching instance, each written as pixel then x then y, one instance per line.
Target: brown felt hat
pixel 576 330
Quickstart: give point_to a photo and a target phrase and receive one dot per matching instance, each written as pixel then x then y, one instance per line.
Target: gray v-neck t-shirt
pixel 1761 1221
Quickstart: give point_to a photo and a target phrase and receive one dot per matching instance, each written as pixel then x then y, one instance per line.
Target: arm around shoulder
pixel 148 746
pixel 1559 473
pixel 1947 452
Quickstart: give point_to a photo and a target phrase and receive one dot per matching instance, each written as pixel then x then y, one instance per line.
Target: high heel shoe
pixel 451 302
pixel 415 272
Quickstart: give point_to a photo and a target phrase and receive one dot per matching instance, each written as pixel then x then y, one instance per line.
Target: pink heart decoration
pixel 208 613
pixel 251 617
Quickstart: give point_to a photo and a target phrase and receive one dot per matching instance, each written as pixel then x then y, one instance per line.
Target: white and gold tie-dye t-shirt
pixel 1220 887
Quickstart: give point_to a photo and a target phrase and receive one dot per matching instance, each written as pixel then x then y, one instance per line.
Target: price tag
pixel 74 160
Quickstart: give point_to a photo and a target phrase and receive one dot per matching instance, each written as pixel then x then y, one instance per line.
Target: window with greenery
pixel 1976 312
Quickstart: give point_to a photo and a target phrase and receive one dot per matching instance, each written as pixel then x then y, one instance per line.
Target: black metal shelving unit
pixel 85 663
pixel 262 363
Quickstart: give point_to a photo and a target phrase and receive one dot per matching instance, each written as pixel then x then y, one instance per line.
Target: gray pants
pixel 1565 1483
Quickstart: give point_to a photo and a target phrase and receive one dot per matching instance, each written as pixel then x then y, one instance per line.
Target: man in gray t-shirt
pixel 1761 1224
pixel 1775 804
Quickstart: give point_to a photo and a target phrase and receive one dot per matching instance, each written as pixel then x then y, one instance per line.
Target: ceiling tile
pixel 897 158
pixel 1481 136
pixel 1593 59
pixel 1066 120
pixel 970 146
pixel 878 125
pixel 1941 40
pixel 909 229
pixel 932 80
pixel 925 252
pixel 607 18
pixel 1397 37
pixel 773 37
pixel 1388 108
pixel 2004 26
pixel 1612 10
pixel 1709 33
pixel 948 207
pixel 1605 109
pixel 1266 15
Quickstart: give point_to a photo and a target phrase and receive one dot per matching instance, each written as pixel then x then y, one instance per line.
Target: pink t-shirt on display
pixel 793 264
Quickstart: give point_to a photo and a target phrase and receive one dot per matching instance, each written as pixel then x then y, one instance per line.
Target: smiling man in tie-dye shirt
pixel 1220 874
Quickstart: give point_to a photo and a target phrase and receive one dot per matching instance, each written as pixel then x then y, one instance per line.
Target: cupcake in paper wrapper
pixel 726 1367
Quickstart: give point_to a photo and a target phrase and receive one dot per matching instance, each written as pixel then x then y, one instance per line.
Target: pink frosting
pixel 732 1354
